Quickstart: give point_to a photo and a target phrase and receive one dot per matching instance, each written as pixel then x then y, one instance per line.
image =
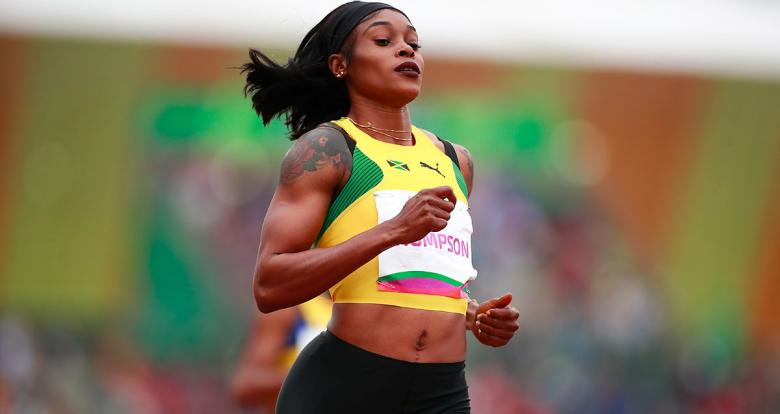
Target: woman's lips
pixel 408 69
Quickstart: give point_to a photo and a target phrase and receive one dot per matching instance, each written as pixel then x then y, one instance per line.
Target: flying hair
pixel 304 90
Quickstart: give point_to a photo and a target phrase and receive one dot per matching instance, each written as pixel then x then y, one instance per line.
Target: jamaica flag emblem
pixel 398 165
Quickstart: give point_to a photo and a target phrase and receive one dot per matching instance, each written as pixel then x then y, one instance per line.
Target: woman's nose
pixel 406 51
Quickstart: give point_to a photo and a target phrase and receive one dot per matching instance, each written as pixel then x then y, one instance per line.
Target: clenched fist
pixel 427 211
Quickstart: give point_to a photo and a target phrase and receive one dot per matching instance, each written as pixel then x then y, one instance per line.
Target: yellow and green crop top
pixel 432 273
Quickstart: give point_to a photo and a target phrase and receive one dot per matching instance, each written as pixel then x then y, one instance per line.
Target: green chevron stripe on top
pixel 461 181
pixel 365 175
pixel 717 231
pixel 71 236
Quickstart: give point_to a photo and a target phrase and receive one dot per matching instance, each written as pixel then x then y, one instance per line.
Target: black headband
pixel 337 25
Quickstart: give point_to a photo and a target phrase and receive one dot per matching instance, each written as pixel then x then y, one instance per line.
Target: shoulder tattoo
pixel 316 150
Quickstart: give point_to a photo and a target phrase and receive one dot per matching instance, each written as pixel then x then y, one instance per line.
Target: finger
pixel 438 224
pixel 508 313
pixel 495 342
pixel 444 191
pixel 440 214
pixel 498 333
pixel 442 204
pixel 510 325
pixel 491 340
pixel 501 302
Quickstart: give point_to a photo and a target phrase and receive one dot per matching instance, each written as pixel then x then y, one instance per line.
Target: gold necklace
pixel 379 130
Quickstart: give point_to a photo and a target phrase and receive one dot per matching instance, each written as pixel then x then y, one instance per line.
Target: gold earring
pixel 340 74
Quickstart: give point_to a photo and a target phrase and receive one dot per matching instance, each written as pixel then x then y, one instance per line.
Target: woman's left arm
pixel 494 321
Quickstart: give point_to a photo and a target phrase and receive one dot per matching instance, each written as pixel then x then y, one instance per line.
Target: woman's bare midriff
pixel 413 335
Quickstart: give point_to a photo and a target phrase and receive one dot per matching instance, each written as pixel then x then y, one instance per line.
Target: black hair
pixel 304 90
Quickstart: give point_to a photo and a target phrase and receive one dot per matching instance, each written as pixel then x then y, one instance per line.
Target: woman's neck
pixel 383 118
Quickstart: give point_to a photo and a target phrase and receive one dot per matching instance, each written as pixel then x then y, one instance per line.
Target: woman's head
pixel 380 60
pixel 354 50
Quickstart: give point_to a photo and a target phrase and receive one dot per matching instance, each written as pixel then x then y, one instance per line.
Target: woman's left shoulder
pixel 465 159
pixel 464 156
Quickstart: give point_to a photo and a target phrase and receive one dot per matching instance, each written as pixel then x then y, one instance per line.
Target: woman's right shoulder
pixel 323 151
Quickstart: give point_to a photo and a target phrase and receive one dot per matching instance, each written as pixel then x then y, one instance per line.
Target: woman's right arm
pixel 288 272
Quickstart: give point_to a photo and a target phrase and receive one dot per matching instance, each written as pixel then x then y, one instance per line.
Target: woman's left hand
pixel 495 321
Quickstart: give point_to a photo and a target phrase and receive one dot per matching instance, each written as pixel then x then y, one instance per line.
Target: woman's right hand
pixel 427 211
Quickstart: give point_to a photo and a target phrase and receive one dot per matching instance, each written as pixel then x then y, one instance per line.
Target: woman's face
pixel 386 65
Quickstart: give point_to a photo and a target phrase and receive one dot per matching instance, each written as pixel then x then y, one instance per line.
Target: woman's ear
pixel 337 63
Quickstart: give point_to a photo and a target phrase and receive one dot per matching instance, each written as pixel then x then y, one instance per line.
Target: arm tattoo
pixel 313 151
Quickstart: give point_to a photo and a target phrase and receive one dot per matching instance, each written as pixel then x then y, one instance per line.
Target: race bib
pixel 438 264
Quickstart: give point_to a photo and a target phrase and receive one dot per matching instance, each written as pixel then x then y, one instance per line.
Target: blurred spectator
pixel 274 342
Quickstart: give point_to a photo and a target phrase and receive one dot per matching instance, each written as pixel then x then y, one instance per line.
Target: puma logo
pixel 424 165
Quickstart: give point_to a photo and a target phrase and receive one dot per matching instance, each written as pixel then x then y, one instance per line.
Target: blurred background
pixel 627 192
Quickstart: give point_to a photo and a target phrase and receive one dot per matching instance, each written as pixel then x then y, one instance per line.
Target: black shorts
pixel 333 376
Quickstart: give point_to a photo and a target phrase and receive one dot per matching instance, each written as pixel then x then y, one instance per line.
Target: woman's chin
pixel 406 94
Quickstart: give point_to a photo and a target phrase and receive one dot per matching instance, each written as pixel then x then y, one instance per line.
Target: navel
pixel 421 340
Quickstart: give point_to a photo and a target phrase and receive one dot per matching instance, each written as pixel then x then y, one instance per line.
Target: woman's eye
pixel 382 42
pixel 415 46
